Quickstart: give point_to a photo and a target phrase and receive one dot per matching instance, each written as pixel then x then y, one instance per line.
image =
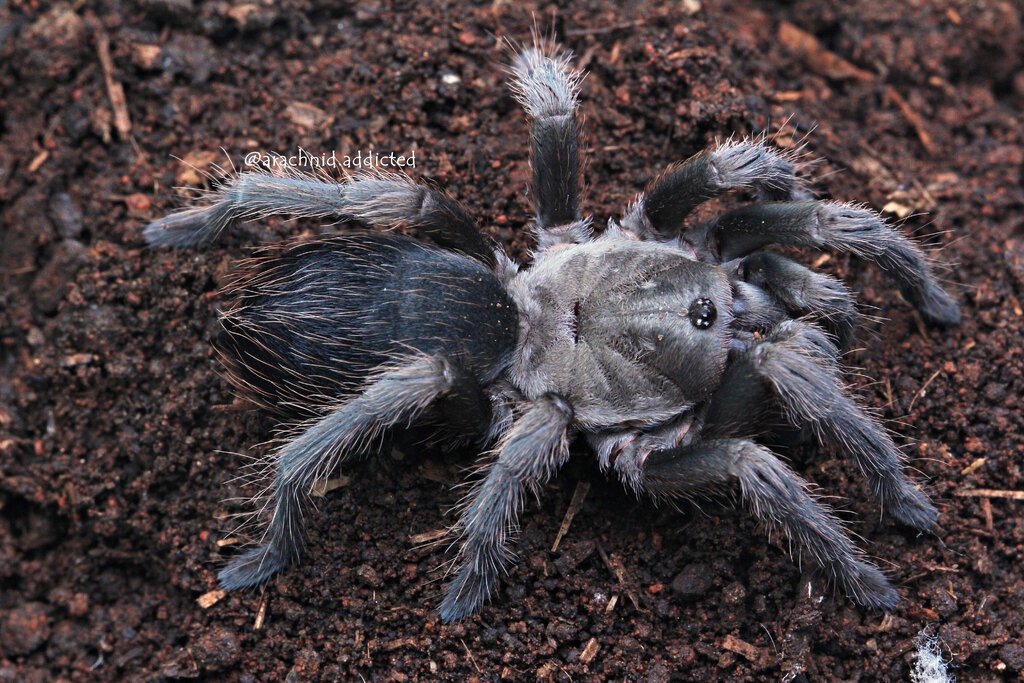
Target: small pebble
pixel 693 581
pixel 65 215
pixel 217 649
pixel 25 629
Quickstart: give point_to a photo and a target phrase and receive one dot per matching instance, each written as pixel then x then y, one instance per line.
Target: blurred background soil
pixel 120 442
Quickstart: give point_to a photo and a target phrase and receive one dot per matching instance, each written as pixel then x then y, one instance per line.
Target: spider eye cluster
pixel 703 313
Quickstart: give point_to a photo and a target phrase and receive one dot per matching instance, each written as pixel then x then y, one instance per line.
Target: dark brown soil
pixel 118 436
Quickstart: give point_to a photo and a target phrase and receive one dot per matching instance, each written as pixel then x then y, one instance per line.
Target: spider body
pixel 311 321
pixel 666 344
pixel 625 349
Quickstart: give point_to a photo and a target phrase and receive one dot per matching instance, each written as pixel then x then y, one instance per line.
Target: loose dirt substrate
pixel 119 437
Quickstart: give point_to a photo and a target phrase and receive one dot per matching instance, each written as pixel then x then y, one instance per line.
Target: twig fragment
pixel 428 537
pixel 978 462
pixel 989 493
pixel 590 651
pixel 914 119
pixel 471 657
pixel 920 393
pixel 750 652
pixel 208 600
pixel 620 576
pixel 817 57
pixel 261 614
pixel 115 91
pixel 578 496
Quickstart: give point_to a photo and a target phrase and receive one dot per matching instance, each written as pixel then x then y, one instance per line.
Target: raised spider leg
pixel 546 85
pixel 395 396
pixel 387 200
pixel 753 309
pixel 839 227
pixel 778 497
pixel 797 362
pixel 801 291
pixel 528 456
pixel 748 164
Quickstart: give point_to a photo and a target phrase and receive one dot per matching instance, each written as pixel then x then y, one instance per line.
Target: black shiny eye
pixel 703 313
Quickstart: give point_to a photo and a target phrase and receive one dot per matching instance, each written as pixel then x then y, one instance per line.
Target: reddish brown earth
pixel 118 436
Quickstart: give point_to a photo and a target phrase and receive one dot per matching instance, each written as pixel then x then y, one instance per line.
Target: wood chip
pixel 788 95
pixel 194 165
pixel 76 359
pixel 146 56
pixel 400 643
pixel 897 209
pixel 590 651
pixel 230 540
pixel 921 393
pixel 620 575
pixel 325 486
pixel 115 91
pixel 428 536
pixel 261 614
pixel 38 161
pixel 978 462
pixel 912 117
pixel 817 58
pixel 578 496
pixel 821 260
pixel 242 12
pixel 744 649
pixel 208 600
pixel 989 493
pixel 307 115
pixel 690 7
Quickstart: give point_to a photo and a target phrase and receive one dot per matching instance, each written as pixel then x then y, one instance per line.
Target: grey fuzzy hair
pixel 375 197
pixel 544 81
pixel 749 163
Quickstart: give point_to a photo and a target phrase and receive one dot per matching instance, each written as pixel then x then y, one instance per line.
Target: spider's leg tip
pixel 452 610
pixel 249 569
pixel 942 309
pixel 873 590
pixel 186 228
pixel 156 234
pixel 914 510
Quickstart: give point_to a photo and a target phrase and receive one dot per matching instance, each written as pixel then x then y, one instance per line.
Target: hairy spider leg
pixel 748 164
pixel 395 396
pixel 838 227
pixel 797 362
pixel 379 200
pixel 778 498
pixel 546 85
pixel 532 451
pixel 801 291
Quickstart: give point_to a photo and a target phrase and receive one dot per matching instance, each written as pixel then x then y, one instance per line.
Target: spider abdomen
pixel 311 321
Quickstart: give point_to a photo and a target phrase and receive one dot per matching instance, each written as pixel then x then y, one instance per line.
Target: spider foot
pixel 252 568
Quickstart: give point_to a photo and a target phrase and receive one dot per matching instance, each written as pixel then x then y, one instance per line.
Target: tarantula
pixel 666 345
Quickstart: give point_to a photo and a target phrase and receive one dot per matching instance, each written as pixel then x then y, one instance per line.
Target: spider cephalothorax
pixel 665 344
